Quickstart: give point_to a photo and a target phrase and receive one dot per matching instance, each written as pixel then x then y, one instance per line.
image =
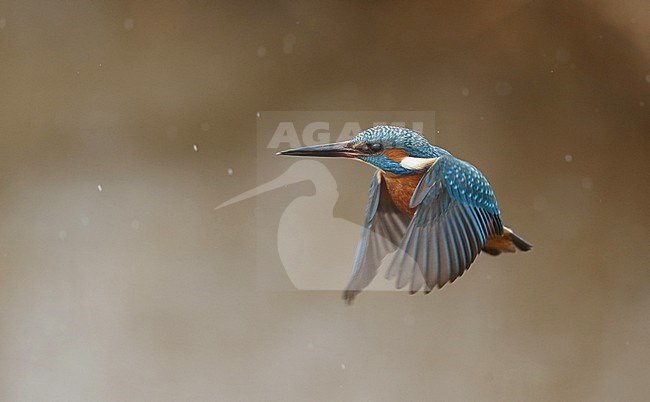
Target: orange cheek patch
pixel 395 155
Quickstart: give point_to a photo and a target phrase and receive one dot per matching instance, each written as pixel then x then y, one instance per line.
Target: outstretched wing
pixel 456 213
pixel 384 228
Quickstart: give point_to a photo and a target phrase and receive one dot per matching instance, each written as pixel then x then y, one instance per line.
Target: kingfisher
pixel 429 213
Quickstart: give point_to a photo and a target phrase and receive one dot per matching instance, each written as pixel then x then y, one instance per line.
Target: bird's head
pixel 395 150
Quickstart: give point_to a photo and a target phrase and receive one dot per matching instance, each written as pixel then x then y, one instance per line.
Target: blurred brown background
pixel 141 291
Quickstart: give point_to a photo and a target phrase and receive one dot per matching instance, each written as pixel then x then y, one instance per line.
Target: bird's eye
pixel 375 146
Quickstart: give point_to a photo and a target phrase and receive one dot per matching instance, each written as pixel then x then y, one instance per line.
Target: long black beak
pixel 335 150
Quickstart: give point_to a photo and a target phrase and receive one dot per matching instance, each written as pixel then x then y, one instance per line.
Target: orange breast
pixel 401 189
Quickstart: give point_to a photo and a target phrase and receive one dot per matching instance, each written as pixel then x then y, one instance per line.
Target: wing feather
pixel 384 228
pixel 456 213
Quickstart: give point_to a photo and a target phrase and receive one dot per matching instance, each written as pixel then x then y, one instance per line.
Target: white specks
pixel 205 126
pixel 99 188
pixel 552 71
pixel 562 55
pixel 195 148
pixel 261 51
pixel 568 157
pixel 342 366
pixel 85 220
pixel 287 43
pixel 647 76
pixel 230 171
pixel 63 234
pixel 540 204
pixel 3 23
pixel 100 65
pixel 587 183
pixel 135 224
pixel 503 88
pixel 128 24
pixel 465 92
pixel 258 114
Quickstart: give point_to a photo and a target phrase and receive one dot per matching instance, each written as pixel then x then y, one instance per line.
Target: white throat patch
pixel 417 163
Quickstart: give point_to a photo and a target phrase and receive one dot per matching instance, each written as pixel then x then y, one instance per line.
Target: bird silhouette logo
pixel 428 214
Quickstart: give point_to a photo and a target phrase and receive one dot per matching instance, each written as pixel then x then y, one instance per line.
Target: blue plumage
pixel 400 138
pixel 465 183
pixel 386 165
pixel 429 214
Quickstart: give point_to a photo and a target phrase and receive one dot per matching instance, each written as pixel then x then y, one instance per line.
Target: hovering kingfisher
pixel 438 212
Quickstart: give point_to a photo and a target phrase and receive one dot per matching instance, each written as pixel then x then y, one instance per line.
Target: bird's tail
pixel 508 242
pixel 520 243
